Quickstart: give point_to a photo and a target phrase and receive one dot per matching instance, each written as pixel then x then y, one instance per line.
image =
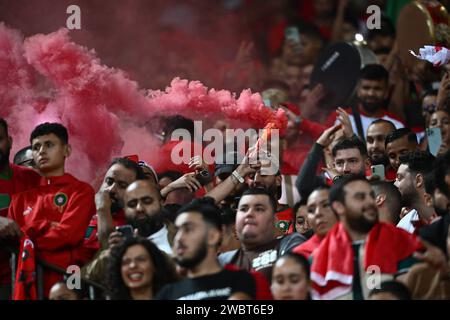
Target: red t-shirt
pixel 91 244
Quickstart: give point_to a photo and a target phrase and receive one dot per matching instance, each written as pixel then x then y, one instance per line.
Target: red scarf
pixel 25 285
pixel 307 247
pixel 332 268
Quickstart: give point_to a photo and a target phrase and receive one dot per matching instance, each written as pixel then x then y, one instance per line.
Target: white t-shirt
pixel 405 222
pixel 160 239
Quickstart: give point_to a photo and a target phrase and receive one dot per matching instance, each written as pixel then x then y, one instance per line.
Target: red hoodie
pixel 55 217
pixel 20 179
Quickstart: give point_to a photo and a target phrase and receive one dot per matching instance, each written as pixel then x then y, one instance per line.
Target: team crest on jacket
pixel 60 200
pixel 283 225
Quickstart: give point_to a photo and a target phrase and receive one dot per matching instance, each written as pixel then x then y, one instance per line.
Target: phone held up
pixel 126 231
pixel 378 170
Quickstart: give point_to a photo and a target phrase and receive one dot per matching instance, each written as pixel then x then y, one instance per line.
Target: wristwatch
pixel 238 176
pixel 298 120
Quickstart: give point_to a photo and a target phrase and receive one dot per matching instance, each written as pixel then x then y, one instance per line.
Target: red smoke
pixel 104 111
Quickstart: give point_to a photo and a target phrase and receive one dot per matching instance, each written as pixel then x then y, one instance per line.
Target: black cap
pixel 229 163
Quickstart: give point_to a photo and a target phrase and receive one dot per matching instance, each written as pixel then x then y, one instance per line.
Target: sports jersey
pixel 17 180
pixel 55 216
pixel 91 245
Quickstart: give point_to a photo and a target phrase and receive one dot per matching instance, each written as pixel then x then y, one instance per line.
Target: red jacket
pixel 90 243
pixel 21 179
pixel 55 217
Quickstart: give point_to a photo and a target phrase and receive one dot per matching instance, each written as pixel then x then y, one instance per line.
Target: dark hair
pixel 295 208
pixel 396 288
pixel 262 191
pixel 81 293
pixel 169 211
pixel 172 123
pixel 311 31
pixel 297 205
pixel 47 128
pixel 4 124
pixel 383 121
pixel 429 92
pixel 442 166
pixel 393 196
pixel 207 208
pixel 300 259
pixel 350 143
pixel 400 133
pixel 228 216
pixel 172 175
pixel 374 72
pixel 382 50
pixel 164 270
pixel 418 162
pixel 129 164
pixel 337 192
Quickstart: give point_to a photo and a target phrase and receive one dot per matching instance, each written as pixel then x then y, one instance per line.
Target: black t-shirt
pixel 218 286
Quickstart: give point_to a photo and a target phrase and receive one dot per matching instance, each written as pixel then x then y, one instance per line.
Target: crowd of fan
pixel 327 225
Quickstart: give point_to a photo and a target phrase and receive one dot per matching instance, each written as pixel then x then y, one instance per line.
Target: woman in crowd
pixel 138 269
pixel 290 278
pixel 301 223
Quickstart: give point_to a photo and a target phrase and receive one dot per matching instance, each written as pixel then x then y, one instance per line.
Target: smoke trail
pixel 106 112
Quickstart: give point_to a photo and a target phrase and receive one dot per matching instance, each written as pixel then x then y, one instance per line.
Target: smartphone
pixel 434 137
pixel 126 231
pixel 203 177
pixel 378 170
pixel 292 35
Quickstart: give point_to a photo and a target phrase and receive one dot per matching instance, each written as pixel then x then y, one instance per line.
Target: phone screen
pixel 292 34
pixel 378 170
pixel 126 230
pixel 434 137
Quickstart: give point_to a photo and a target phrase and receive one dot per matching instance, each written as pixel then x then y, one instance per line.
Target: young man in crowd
pixel 410 181
pixel 250 176
pixel 55 215
pixel 195 249
pixel 388 200
pixel 109 202
pixel 399 142
pixel 341 267
pixel 260 247
pixel 307 180
pixel 376 148
pixel 13 179
pixel 349 157
pixel 424 280
pixel 372 92
pixel 143 217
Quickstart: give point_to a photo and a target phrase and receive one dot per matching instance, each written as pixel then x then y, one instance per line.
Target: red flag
pixel 25 285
